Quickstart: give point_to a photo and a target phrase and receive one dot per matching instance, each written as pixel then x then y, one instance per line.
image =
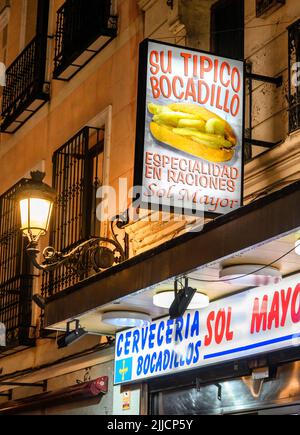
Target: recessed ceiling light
pixel 165 298
pixel 251 275
pixel 126 319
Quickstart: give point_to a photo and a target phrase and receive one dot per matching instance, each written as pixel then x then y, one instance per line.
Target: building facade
pixel 69 109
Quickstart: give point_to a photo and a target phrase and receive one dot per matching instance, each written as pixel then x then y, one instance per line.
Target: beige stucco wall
pixel 104 406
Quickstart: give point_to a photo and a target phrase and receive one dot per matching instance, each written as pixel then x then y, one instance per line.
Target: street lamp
pixel 36 204
pixel 36 200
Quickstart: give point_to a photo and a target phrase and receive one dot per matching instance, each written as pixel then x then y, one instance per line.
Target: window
pixel 84 28
pixel 31 21
pixel 264 6
pixel 294 76
pixel 227 28
pixel 26 89
pixel 16 276
pixel 77 175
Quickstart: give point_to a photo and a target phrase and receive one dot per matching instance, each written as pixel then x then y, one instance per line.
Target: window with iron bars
pixel 16 275
pixel 83 29
pixel 294 76
pixel 264 6
pixel 77 175
pixel 26 89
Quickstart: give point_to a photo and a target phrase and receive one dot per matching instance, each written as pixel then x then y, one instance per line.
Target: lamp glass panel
pixel 36 219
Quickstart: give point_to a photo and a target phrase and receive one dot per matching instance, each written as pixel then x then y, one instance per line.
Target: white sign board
pixel 190 127
pixel 257 321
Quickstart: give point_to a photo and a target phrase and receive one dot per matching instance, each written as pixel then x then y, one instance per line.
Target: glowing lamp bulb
pixel 35 216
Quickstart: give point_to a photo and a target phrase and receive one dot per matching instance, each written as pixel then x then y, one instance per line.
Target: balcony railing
pixel 265 6
pixel 26 90
pixel 84 28
pixel 16 279
pixel 294 82
pixel 76 179
pixel 77 176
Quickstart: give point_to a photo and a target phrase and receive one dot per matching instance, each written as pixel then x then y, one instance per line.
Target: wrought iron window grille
pixel 83 29
pixel 294 80
pixel 26 89
pixel 276 81
pixel 16 277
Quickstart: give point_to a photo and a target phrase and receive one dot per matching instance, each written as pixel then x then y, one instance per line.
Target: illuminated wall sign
pixel 189 145
pixel 253 322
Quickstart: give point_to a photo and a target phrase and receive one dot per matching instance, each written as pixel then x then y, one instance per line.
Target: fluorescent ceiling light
pixel 126 319
pixel 165 298
pixel 250 275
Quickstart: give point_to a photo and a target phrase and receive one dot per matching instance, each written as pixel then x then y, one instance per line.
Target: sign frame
pixel 141 128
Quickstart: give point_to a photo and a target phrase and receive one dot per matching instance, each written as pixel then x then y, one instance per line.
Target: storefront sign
pixel 189 146
pixel 253 322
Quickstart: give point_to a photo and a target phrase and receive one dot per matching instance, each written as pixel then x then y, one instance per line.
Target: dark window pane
pixel 227 28
pixel 263 6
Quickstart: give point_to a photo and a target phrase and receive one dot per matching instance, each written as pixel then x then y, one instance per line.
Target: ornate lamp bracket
pixel 96 253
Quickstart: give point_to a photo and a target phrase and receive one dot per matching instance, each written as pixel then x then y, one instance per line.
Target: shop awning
pixel 262 221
